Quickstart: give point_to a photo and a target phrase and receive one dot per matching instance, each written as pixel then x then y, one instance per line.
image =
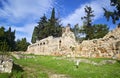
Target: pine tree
pixel 115 14
pixel 45 28
pixel 100 30
pixel 39 31
pixel 87 27
pixel 41 27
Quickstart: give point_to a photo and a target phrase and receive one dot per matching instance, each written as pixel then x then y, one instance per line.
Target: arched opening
pixel 60 44
pixel 43 43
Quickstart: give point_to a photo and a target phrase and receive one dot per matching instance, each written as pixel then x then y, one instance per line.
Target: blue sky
pixel 23 15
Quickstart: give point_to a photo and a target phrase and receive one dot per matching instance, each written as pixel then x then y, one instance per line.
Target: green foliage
pixel 100 30
pixel 8 43
pixel 95 31
pixel 11 39
pixel 47 28
pixel 89 14
pixel 76 32
pixel 7 39
pixel 87 27
pixel 2 32
pixel 4 46
pixel 34 35
pixel 21 45
pixel 115 14
pixel 92 31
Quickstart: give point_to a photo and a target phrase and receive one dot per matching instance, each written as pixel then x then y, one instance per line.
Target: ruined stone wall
pixel 108 46
pixel 6 64
pixel 54 46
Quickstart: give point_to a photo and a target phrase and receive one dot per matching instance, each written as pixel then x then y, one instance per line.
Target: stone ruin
pixel 108 46
pixel 55 46
pixel 6 64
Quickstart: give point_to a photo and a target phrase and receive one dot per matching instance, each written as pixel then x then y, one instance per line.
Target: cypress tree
pixel 35 35
pixel 54 24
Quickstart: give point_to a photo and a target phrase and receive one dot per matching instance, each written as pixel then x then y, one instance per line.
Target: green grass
pixel 42 66
pixel 4 75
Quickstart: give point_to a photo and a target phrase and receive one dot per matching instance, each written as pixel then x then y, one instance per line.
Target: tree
pixel 21 45
pixel 39 30
pixel 7 39
pixel 35 35
pixel 100 30
pixel 41 27
pixel 54 25
pixel 2 32
pixel 115 15
pixel 11 38
pixel 45 28
pixel 76 32
pixel 4 46
pixel 92 31
pixel 87 27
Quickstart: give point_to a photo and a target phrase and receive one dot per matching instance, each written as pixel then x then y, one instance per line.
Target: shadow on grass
pixel 118 61
pixel 16 71
pixel 17 68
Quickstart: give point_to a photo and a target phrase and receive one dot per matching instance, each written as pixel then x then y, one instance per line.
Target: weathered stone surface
pixel 107 62
pixel 58 76
pixel 108 46
pixel 103 62
pixel 54 46
pixel 18 55
pixel 6 65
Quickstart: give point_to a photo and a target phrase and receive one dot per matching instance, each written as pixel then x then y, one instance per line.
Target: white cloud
pixel 21 9
pixel 26 30
pixel 96 5
pixel 21 15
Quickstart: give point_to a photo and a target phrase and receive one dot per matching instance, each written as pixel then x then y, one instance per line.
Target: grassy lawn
pixel 43 66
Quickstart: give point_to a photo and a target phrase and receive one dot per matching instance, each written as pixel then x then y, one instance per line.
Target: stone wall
pixel 108 46
pixel 54 46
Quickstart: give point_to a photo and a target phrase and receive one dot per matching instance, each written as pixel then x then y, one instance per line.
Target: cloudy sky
pixel 23 15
